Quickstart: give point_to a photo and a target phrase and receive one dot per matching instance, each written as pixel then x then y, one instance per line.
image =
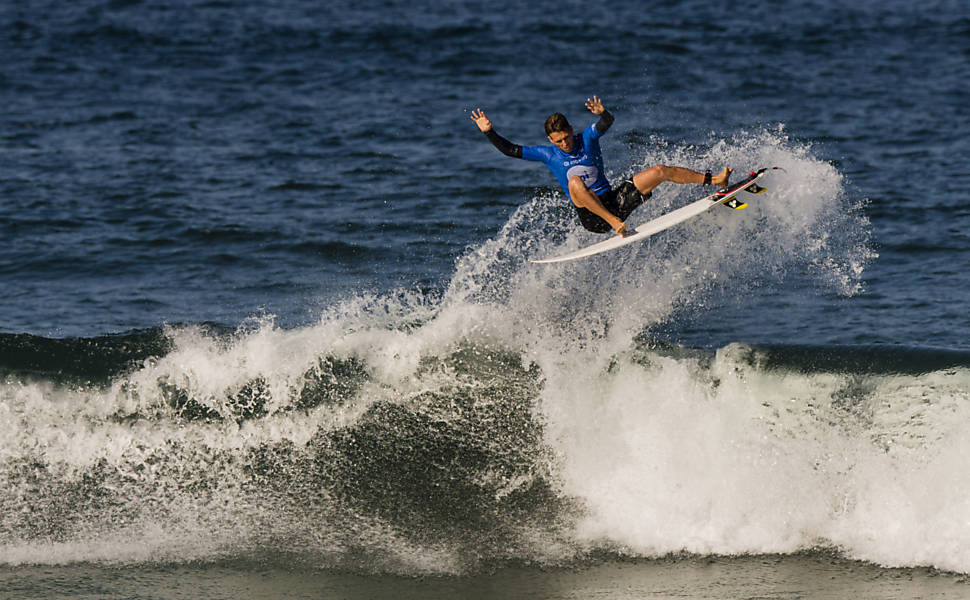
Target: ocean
pixel 269 329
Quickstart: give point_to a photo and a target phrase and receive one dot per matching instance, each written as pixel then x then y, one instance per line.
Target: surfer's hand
pixel 595 105
pixel 621 230
pixel 481 120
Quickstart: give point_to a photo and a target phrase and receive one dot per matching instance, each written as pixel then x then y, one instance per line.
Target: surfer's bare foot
pixel 721 179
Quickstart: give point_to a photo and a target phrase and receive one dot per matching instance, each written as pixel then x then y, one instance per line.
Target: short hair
pixel 557 122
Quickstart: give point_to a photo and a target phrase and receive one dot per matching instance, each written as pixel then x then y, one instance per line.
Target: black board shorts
pixel 620 201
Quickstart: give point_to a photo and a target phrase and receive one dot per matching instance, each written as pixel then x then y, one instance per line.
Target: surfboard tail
pixel 728 195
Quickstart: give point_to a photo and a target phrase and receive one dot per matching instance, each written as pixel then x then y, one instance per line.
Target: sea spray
pixel 806 225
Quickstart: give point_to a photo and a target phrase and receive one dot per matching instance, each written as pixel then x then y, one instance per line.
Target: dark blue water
pixel 205 161
pixel 269 241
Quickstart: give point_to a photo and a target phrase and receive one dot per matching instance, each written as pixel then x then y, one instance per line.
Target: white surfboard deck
pixel 662 222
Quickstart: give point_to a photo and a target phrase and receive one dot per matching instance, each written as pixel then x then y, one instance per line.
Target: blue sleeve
pixel 536 153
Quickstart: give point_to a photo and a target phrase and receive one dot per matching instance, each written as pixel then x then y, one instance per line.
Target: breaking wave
pixel 522 414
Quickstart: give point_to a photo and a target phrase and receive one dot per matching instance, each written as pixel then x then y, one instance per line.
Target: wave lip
pixel 252 441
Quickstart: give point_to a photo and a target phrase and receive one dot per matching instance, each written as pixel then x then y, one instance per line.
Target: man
pixel 577 164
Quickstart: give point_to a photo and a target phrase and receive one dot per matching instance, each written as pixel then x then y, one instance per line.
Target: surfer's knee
pixel 650 178
pixel 661 172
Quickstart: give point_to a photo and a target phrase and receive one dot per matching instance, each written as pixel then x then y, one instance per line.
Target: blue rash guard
pixel 585 161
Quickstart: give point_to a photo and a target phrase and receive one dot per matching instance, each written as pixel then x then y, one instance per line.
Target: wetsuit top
pixel 585 161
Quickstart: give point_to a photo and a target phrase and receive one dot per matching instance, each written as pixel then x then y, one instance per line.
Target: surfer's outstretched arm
pixel 504 146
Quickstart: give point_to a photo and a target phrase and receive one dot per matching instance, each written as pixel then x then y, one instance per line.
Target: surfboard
pixel 727 197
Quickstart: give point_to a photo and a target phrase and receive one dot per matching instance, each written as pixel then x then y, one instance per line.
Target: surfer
pixel 577 164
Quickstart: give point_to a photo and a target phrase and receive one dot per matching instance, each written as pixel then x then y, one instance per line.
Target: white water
pixel 732 459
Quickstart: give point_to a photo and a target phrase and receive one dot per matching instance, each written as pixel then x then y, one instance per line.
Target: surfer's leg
pixel 584 198
pixel 650 178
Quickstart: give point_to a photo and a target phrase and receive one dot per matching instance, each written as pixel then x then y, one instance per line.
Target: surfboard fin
pixel 732 200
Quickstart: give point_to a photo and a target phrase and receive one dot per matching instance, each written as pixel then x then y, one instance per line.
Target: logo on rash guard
pixel 587 173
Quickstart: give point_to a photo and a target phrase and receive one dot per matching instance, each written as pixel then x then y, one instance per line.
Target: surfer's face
pixel 563 140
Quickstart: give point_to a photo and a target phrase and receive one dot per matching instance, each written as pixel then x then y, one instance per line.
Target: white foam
pixel 678 457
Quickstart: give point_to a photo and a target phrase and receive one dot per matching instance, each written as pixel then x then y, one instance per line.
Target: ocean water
pixel 268 326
